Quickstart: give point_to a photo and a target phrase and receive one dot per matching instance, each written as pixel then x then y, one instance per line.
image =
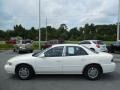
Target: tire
pixel 18 51
pixel 14 50
pixel 92 72
pixel 24 72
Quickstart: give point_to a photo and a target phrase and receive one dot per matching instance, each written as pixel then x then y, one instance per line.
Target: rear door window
pixel 75 51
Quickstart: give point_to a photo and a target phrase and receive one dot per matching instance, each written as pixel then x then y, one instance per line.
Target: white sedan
pixel 62 59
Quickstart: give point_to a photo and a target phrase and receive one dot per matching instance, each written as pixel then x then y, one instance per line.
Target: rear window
pixel 99 42
pixel 85 42
pixel 26 41
pixel 91 50
pixel 55 42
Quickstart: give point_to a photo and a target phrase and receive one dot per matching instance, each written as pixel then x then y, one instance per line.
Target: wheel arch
pixel 92 48
pixel 92 64
pixel 18 65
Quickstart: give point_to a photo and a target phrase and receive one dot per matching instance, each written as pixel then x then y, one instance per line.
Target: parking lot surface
pixel 109 81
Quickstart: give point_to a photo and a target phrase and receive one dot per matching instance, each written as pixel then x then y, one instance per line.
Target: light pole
pixel 39 25
pixel 46 28
pixel 118 26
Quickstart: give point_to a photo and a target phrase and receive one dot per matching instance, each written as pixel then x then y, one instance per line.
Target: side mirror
pixel 42 55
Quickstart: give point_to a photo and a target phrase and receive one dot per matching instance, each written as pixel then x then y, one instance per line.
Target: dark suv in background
pixel 115 46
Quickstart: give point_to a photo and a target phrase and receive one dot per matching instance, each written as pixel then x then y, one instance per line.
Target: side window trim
pixel 64 51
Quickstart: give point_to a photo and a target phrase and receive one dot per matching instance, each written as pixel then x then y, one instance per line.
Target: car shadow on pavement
pixel 111 77
pixel 59 77
pixel 105 77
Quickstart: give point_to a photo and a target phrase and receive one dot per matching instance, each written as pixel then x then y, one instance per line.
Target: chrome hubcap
pixel 93 72
pixel 24 72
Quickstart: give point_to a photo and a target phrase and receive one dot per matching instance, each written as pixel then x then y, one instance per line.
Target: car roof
pixel 91 40
pixel 65 45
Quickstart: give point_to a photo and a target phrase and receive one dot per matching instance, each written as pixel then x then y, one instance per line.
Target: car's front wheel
pixel 24 72
pixel 31 51
pixel 93 72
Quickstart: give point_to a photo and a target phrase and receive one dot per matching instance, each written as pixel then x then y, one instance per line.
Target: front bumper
pixel 107 68
pixel 9 69
pixel 104 50
pixel 25 49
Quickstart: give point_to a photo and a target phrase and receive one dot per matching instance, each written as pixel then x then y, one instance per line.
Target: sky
pixel 74 13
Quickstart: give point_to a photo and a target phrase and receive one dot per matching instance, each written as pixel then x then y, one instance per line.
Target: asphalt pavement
pixel 109 81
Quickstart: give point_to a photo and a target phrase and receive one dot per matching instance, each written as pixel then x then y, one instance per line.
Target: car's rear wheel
pixel 24 72
pixel 18 51
pixel 93 72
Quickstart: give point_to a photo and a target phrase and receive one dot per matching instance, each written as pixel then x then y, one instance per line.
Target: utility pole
pixel 118 26
pixel 39 26
pixel 46 29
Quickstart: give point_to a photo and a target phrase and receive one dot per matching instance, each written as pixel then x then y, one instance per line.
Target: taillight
pixel 97 45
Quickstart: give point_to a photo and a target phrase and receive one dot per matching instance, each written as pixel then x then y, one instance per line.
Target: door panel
pixel 72 64
pixel 49 65
pixel 51 62
pixel 74 60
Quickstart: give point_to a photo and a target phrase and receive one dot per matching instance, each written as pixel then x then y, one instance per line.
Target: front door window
pixel 54 52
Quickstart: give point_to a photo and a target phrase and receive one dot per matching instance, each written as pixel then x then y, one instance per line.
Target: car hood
pixel 21 57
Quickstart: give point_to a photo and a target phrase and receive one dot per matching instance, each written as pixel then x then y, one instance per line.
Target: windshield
pixel 99 42
pixel 36 54
pixel 26 41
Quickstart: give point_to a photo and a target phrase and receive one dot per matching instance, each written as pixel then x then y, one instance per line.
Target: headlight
pixel 21 47
pixel 9 63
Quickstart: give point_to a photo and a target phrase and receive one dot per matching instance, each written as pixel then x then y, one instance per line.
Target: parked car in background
pixel 62 59
pixel 115 46
pixel 51 42
pixel 23 46
pixel 11 41
pixel 95 45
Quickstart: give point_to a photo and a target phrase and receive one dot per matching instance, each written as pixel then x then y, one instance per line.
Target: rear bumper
pixel 104 50
pixel 26 49
pixel 107 68
pixel 101 50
